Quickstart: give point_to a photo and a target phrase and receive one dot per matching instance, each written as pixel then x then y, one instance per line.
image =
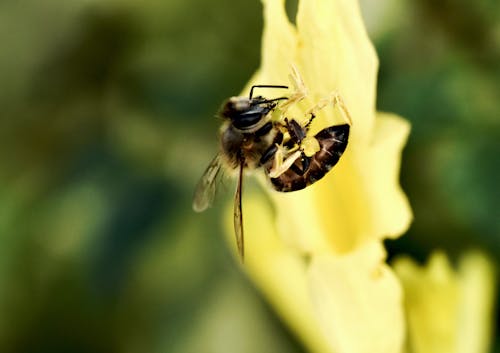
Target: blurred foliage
pixel 107 122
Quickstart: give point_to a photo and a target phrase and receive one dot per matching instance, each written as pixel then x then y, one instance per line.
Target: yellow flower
pixel 318 256
pixel 360 200
pixel 448 311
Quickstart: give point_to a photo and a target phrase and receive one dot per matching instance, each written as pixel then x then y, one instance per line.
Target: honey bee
pixel 250 139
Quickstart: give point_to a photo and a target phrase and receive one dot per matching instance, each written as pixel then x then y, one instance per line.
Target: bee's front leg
pixel 300 90
pixel 335 99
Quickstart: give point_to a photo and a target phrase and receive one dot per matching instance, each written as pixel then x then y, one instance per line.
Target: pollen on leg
pixel 310 146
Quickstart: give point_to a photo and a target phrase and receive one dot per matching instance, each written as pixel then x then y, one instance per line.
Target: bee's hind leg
pixel 281 164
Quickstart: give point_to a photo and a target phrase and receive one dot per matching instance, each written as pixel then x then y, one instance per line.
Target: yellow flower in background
pixel 318 256
pixel 448 311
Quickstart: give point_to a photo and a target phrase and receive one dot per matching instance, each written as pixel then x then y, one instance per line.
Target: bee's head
pixel 245 114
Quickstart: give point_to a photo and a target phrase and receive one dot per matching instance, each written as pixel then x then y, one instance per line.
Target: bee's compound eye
pixel 247 120
pixel 243 114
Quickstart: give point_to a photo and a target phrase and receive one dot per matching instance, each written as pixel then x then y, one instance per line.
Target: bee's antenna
pixel 264 86
pixel 273 100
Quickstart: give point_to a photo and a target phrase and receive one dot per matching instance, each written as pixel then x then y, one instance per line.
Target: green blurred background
pixel 107 121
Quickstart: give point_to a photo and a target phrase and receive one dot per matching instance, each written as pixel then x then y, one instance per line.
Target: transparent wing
pixel 238 216
pixel 205 190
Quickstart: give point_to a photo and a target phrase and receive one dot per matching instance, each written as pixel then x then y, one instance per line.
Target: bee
pixel 251 139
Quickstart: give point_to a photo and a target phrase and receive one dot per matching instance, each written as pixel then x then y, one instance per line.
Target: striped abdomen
pixel 333 142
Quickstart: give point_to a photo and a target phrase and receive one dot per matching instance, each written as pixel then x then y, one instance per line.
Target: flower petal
pixel 279 46
pixel 335 53
pixel 278 271
pixel 447 310
pixel 392 213
pixel 358 301
pixel 477 287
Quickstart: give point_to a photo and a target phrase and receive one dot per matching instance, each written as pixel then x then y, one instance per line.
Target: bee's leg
pixel 306 162
pixel 297 132
pixel 271 151
pixel 281 165
pixel 300 90
pixel 312 114
pixel 291 148
pixel 268 154
pixel 335 99
pixel 311 118
pixel 338 101
pixel 264 130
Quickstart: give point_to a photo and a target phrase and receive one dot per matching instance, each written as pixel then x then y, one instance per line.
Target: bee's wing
pixel 205 190
pixel 238 216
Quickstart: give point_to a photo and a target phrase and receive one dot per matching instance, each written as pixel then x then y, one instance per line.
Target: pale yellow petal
pixel 279 271
pixel 278 42
pixel 335 53
pixel 358 301
pixel 448 311
pixel 431 299
pixel 477 288
pixel 392 213
pixel 279 47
